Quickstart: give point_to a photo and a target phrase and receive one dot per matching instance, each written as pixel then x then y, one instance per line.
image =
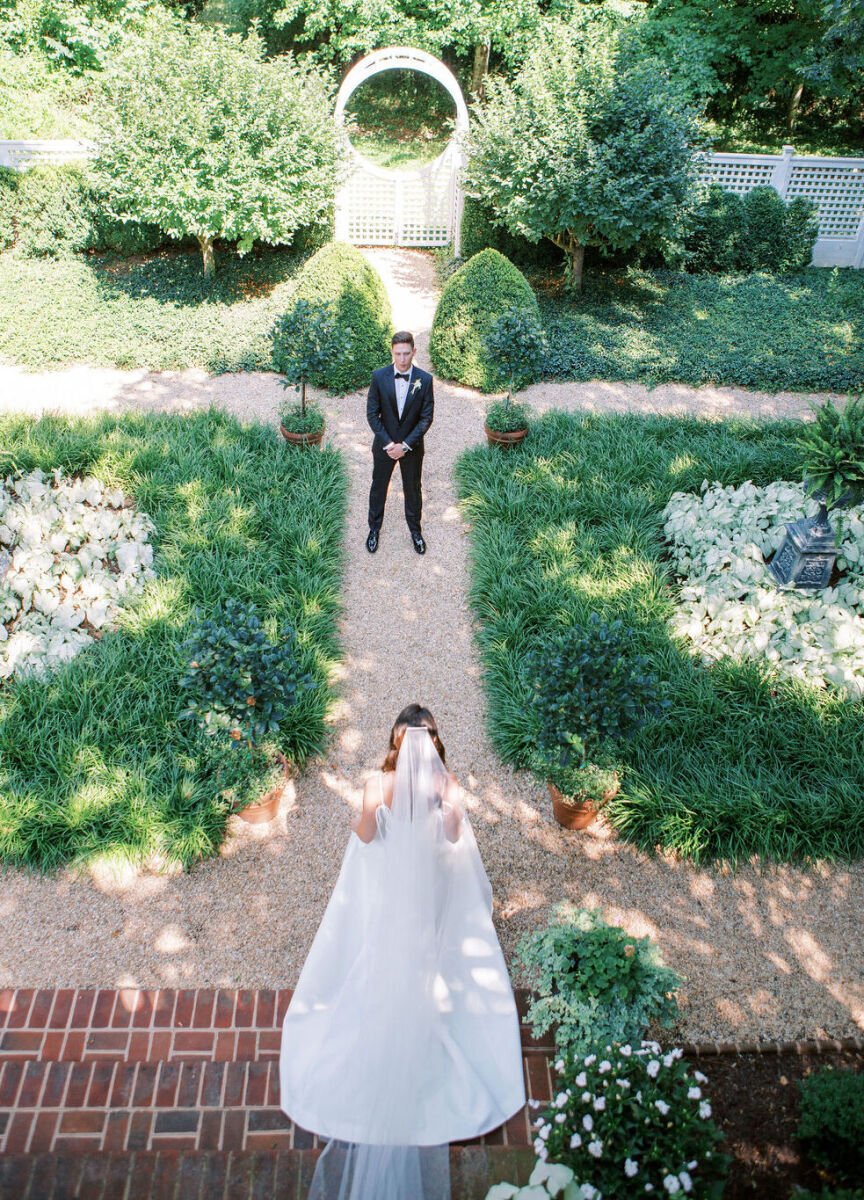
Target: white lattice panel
pixel 836 190
pixel 738 174
pixel 20 155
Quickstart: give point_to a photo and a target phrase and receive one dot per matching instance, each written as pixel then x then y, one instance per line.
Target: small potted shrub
pixel 587 688
pixel 630 1120
pixel 517 343
pixel 305 340
pixel 591 981
pixel 241 687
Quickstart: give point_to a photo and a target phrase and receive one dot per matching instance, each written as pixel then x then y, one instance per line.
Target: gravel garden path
pixel 766 954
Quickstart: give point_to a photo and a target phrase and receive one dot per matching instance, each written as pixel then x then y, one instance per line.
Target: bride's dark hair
pixel 413 716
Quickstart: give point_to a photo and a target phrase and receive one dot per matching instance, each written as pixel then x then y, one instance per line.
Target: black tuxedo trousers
pixel 411 466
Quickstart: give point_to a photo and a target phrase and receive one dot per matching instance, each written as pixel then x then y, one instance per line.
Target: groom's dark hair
pixel 402 335
pixel 413 716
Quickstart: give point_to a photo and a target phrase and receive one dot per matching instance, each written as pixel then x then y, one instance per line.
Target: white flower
pixel 560 1118
pixel 588 1192
pixel 592 1058
pixel 699 1077
pixel 545 1131
pixel 599 1103
pixel 694 1093
pixel 560 1099
pixel 595 1148
pixel 540 1148
pixel 649 1187
pixel 604 1066
pixel 553 1178
pixel 588 1122
pixel 668 1060
pixel 534 1103
pixel 704 1110
pixel 686 1181
pixel 559 1065
pixel 653 1068
pixel 631 1168
pixel 638 1096
pixel 661 1106
pixel 671 1184
pixel 575 1141
pixel 587 1097
pixel 625 1051
pixel 623 1083
pixel 691 1166
pixel 417 383
pixel 581 1079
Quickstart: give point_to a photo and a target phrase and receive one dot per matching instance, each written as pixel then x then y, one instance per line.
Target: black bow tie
pixel 405 377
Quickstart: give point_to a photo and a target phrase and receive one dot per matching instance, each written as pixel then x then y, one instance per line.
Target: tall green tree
pixel 203 138
pixel 838 60
pixel 582 148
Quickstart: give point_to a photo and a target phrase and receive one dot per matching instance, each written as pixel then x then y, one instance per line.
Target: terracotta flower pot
pixel 302 439
pixel 513 438
pixel 576 814
pixel 267 807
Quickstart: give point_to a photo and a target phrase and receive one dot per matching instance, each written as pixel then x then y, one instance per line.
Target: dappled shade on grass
pixel 93 759
pixel 800 332
pixel 743 762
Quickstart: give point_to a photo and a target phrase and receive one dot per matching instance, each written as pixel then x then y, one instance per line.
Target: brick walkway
pixel 131 1093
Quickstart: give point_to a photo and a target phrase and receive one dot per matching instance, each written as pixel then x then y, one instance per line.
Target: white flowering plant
pixel 72 553
pixel 632 1121
pixel 547 1179
pixel 730 604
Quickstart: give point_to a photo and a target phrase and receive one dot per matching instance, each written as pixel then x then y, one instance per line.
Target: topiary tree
pixel 582 149
pixel 202 137
pixel 473 300
pixel 341 277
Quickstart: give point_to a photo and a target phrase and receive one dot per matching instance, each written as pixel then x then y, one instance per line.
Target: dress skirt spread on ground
pixel 403 1033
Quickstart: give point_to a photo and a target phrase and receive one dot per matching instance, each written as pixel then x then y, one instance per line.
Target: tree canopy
pixel 583 148
pixel 201 137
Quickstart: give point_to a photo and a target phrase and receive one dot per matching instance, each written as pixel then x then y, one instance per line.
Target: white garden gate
pixel 378 206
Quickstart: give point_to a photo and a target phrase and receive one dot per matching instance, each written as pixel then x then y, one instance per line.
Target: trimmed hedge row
pixel 340 275
pixel 758 231
pixel 57 210
pixel 480 292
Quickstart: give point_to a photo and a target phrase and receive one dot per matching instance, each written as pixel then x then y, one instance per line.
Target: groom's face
pixel 402 353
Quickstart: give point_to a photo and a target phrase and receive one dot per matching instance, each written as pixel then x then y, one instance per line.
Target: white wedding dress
pixel 402 1034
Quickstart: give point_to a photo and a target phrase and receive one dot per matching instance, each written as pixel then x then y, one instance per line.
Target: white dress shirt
pixel 402 386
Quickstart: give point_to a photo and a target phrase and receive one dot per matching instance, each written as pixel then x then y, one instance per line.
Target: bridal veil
pixel 402 1034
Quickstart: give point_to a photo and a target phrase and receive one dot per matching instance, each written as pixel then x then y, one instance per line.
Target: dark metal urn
pixel 807 555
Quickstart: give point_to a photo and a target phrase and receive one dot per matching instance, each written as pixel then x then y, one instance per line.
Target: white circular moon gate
pixel 377 206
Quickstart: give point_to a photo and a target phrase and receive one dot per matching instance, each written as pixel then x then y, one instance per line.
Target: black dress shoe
pixel 372 541
pixel 419 544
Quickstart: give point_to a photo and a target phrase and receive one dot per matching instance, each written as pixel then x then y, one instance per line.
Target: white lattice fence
pixel 24 154
pixel 835 185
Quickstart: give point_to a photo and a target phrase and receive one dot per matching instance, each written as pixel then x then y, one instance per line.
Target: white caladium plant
pixel 71 552
pixel 731 604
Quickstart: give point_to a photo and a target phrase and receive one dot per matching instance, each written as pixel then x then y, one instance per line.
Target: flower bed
pixel 74 551
pixel 730 603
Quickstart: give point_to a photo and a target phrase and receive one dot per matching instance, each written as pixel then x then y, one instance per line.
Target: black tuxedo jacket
pixel 383 416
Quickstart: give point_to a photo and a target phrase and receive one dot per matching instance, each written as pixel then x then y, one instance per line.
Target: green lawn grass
pixel 797 333
pixel 157 312
pixel 743 763
pixel 93 759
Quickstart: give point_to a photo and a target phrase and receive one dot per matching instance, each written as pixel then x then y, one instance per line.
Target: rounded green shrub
pixel 474 298
pixel 340 276
pixel 831 1128
pixel 780 237
pixel 717 228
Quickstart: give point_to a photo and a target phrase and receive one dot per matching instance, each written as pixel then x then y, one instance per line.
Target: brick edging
pixel 812 1046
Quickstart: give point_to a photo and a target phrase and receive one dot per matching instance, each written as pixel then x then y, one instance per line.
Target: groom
pixel 399 409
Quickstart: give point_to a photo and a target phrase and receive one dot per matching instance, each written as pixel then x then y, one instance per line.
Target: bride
pixel 402 1035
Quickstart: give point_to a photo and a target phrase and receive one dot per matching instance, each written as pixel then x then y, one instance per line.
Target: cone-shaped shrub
pixel 479 293
pixel 339 275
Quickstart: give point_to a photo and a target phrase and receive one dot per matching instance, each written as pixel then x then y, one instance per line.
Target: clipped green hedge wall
pixel 56 210
pixel 479 232
pixel 758 231
pixel 473 298
pixel 340 275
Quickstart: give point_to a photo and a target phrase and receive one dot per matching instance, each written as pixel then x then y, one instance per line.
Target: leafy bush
pixel 593 981
pixel 240 682
pixel 833 447
pixel 306 340
pixel 505 417
pixel 780 237
pixel 588 685
pixel 479 293
pixel 57 210
pixel 716 232
pixel 295 419
pixel 831 1128
pixel 479 231
pixel 340 276
pixel 758 231
pixel 629 1121
pixel 517 345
